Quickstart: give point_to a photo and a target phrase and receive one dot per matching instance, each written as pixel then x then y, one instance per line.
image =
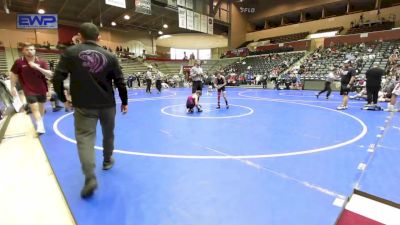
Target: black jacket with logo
pixel 93 72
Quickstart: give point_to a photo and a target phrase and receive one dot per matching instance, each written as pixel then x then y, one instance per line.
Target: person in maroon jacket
pixel 31 73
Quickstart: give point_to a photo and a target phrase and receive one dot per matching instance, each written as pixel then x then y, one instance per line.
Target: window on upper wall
pixel 205 54
pixel 177 53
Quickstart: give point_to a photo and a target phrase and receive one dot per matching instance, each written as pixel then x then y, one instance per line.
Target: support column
pixel 302 17
pixel 266 25
pixel 378 4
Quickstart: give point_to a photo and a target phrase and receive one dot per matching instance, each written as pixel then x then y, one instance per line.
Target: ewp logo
pixel 37 21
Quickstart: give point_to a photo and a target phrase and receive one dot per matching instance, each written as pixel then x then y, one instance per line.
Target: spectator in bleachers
pixel 394 57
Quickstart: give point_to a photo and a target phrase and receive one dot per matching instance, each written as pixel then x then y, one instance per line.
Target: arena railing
pixel 6 108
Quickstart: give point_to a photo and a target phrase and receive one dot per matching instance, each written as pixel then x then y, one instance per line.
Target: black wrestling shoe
pixel 108 164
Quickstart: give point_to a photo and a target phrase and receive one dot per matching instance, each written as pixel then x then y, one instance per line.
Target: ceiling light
pixel 160 32
pixel 6 9
pixel 127 17
pixel 165 26
pixel 41 11
pixel 165 36
pixel 113 24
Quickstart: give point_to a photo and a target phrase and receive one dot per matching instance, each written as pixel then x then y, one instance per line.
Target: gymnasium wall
pixel 313 26
pixel 358 38
pixel 216 52
pixel 10 36
pixel 279 7
pixel 238 29
pixel 164 52
pixel 133 39
pixel 297 46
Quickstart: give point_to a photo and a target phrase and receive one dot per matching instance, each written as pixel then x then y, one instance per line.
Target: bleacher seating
pixel 339 29
pixel 168 67
pixel 132 67
pixel 244 44
pixel 263 65
pixel 277 50
pixel 371 28
pixel 3 61
pixel 211 66
pixel 287 38
pixel 322 61
pixel 49 56
pixel 173 67
pixel 128 66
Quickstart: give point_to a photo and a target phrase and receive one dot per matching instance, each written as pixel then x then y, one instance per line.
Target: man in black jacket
pixel 93 70
pixel 374 79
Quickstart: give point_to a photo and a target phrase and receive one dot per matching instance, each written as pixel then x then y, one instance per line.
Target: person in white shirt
pixel 196 74
pixel 148 80
pixel 158 82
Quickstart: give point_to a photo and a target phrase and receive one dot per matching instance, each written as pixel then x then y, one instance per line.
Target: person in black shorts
pixel 148 80
pixel 374 79
pixel 31 72
pixel 196 74
pixel 348 76
pixel 220 83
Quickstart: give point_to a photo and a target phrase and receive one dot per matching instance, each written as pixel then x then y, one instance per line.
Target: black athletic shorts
pixel 197 86
pixel 221 89
pixel 344 90
pixel 18 86
pixel 36 98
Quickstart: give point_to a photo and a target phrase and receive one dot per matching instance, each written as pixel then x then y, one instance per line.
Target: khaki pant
pixel 85 134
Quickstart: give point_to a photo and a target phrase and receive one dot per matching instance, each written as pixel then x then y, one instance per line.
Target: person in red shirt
pixel 31 73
